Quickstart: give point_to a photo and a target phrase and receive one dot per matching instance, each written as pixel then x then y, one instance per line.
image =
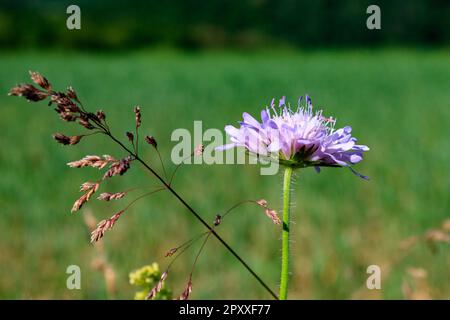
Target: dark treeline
pixel 223 23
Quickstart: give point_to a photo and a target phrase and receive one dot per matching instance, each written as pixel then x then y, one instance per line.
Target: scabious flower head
pixel 299 138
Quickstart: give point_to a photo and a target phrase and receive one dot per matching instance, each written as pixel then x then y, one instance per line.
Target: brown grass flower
pixel 130 136
pixel 187 291
pixel 157 288
pixel 86 186
pixel 40 80
pixel 217 220
pixel 89 188
pixel 151 141
pixel 262 203
pixel 28 91
pixel 66 140
pixel 93 161
pixel 67 116
pixel 118 167
pixel 137 112
pixel 198 150
pixel 84 121
pixel 171 252
pixel 106 196
pixel 100 261
pixel 64 103
pixel 72 94
pixel 272 214
pixel 100 115
pixel 79 203
pixel 105 225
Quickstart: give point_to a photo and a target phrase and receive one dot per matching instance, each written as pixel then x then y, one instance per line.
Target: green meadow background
pixel 397 102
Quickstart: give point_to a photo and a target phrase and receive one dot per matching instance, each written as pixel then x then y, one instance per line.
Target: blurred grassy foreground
pixel 397 101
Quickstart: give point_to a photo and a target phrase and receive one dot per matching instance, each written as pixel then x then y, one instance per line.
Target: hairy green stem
pixel 285 234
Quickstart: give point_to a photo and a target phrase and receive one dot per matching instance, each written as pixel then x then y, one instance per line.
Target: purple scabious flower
pixel 299 139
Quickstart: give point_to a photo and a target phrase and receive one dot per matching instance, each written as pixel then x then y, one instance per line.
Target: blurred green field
pixel 397 101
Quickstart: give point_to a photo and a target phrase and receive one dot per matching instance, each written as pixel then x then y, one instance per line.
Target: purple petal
pixel 286 149
pixel 342 146
pixel 355 158
pixel 308 101
pixel 361 148
pixel 272 124
pixel 335 160
pixel 232 131
pixel 225 147
pixel 274 146
pixel 264 116
pixel 250 120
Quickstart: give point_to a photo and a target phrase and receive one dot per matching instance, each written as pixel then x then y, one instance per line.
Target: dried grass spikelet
pixel 105 225
pixel 262 203
pixel 171 252
pixel 217 220
pixel 93 161
pixel 29 92
pixel 151 141
pixel 106 196
pixel 64 103
pixel 418 287
pixel 137 112
pixel 118 167
pixel 72 94
pixel 75 139
pixel 79 203
pixel 100 262
pixel 151 294
pixel 61 138
pixel 187 291
pixel 66 140
pixel 89 188
pixel 84 121
pixel 40 80
pixel 157 288
pixel 100 115
pixel 437 235
pixel 272 214
pixel 198 150
pixel 130 136
pixel 67 116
